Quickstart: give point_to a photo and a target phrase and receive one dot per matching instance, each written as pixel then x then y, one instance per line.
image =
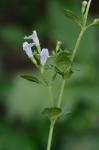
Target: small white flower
pixel 27 49
pixel 44 56
pixel 34 37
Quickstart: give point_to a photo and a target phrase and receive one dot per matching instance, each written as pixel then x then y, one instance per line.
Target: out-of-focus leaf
pixel 54 76
pixel 69 14
pixel 31 78
pixel 51 113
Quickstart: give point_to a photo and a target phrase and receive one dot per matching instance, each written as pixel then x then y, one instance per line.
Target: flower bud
pixel 59 43
pixel 44 56
pixel 27 49
pixel 35 39
pixel 84 5
pixel 96 21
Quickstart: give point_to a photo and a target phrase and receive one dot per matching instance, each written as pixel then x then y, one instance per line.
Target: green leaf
pixel 31 78
pixel 62 61
pixel 62 57
pixel 69 14
pixel 51 113
pixel 49 67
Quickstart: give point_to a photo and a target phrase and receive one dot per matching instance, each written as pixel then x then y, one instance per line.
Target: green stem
pixel 53 122
pixel 84 27
pixel 50 135
pixel 39 48
pixel 50 94
pixel 61 93
pixel 77 44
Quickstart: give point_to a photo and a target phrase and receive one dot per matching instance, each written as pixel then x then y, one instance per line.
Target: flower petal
pixel 27 49
pixel 34 37
pixel 44 56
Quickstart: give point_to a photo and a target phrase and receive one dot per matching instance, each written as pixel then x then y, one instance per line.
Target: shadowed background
pixel 22 127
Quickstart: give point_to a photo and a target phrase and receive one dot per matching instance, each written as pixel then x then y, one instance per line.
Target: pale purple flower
pixel 34 37
pixel 44 56
pixel 27 48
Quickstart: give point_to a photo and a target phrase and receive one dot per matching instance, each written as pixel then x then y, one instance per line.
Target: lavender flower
pixel 34 37
pixel 44 56
pixel 27 49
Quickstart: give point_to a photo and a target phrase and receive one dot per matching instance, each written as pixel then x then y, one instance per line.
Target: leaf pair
pixel 51 113
pixel 35 79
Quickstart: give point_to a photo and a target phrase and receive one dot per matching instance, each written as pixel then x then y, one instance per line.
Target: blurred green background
pixel 22 127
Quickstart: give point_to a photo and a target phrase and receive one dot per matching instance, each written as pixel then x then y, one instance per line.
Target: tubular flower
pixel 34 37
pixel 44 56
pixel 27 48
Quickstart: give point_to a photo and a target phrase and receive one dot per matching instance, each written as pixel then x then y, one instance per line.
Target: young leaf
pixel 51 113
pixel 69 14
pixel 62 61
pixel 31 78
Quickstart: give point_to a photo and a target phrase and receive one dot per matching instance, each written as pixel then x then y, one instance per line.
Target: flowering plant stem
pixel 53 121
pixel 83 29
pixel 50 135
pixel 50 94
pixel 61 93
pixel 77 44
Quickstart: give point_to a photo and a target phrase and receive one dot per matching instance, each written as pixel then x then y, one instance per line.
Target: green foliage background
pixel 22 127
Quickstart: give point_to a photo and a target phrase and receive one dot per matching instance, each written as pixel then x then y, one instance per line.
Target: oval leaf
pixel 63 61
pixel 31 78
pixel 69 14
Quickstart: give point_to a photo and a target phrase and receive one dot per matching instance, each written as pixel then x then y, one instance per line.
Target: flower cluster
pixel 27 47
